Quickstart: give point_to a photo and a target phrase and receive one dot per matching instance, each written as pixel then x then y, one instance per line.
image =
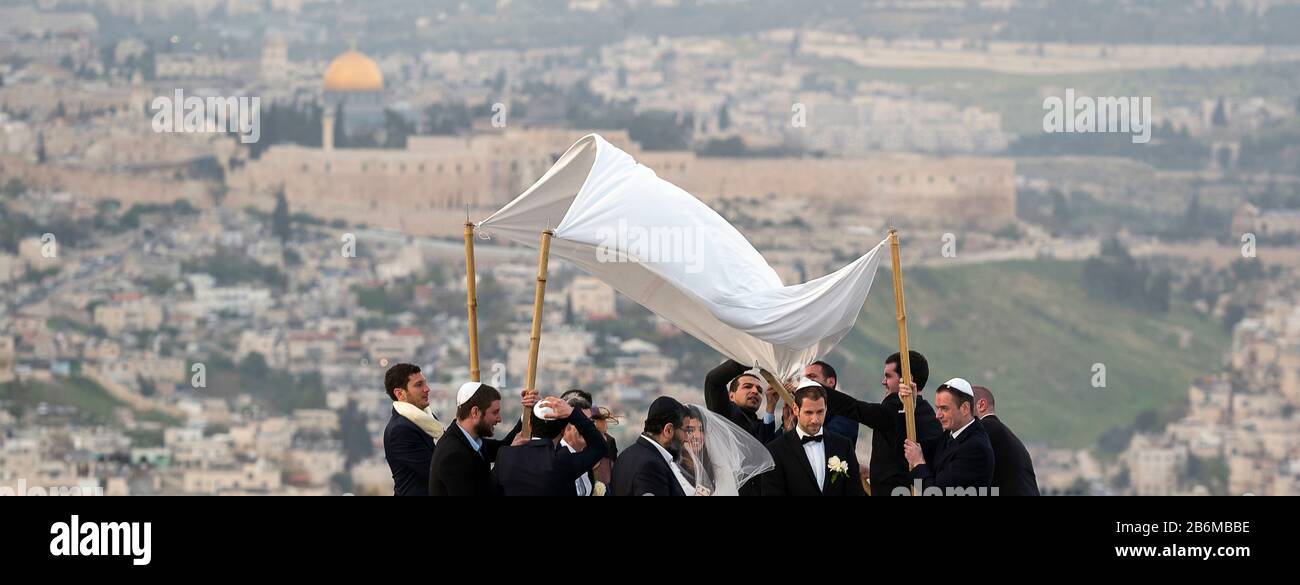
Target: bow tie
pixel 806 440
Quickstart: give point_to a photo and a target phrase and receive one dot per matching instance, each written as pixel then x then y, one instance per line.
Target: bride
pixel 717 457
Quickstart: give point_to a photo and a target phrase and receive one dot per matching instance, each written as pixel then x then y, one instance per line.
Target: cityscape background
pixel 187 313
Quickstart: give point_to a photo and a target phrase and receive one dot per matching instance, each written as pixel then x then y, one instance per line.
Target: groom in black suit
pixel 809 460
pixel 646 467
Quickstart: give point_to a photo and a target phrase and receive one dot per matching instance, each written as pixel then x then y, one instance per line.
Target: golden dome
pixel 353 71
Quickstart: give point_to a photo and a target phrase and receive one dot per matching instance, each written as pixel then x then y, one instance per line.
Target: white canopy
pixel 659 245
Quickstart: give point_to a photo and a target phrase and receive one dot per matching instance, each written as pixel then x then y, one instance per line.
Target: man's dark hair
pixel 547 429
pixel 809 392
pixel 483 399
pixel 397 377
pixel 583 394
pixel 735 382
pixel 655 425
pixel 920 367
pixel 577 401
pixel 828 372
pixel 961 397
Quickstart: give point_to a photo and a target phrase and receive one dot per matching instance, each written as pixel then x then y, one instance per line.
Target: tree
pixel 356 438
pixel 1060 210
pixel 280 223
pixel 1224 158
pixel 147 388
pixel 253 367
pixel 1220 117
pixel 14 188
pixel 1233 314
pixel 396 130
pixel 724 118
pixel 340 137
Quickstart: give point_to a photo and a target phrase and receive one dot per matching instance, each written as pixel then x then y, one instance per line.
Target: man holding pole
pixel 889 468
pixel 965 459
pixel 734 392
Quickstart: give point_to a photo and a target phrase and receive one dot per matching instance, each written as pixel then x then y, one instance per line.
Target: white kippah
pixel 960 385
pixel 543 412
pixel 467 391
pixel 807 383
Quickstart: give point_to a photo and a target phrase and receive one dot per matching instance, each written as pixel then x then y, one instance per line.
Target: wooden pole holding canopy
pixel 786 397
pixel 471 301
pixel 535 338
pixel 904 357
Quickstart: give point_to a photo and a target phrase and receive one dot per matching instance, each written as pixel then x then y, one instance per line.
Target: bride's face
pixel 694 431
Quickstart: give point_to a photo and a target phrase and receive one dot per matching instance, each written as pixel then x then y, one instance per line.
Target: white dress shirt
pixel 958 431
pixel 582 484
pixel 816 453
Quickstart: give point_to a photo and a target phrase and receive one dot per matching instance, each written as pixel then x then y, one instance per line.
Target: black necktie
pixel 806 440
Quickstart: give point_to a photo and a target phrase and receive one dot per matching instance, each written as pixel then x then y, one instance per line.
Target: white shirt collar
pixel 802 434
pixel 566 445
pixel 687 487
pixel 958 431
pixel 662 451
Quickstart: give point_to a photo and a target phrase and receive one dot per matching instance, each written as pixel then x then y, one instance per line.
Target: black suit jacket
pixel 1013 470
pixel 793 474
pixel 964 462
pixel 642 470
pixel 889 468
pixel 408 450
pixel 542 467
pixel 458 470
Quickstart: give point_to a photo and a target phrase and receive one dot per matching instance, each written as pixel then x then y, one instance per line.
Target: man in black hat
pixel 646 467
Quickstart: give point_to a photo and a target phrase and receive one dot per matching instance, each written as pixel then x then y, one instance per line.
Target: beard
pixel 674 448
pixel 483 430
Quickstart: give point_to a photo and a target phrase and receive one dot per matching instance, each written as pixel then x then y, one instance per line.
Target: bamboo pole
pixel 535 338
pixel 471 301
pixel 780 389
pixel 904 357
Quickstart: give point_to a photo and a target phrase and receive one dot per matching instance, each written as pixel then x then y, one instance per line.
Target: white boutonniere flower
pixel 837 467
